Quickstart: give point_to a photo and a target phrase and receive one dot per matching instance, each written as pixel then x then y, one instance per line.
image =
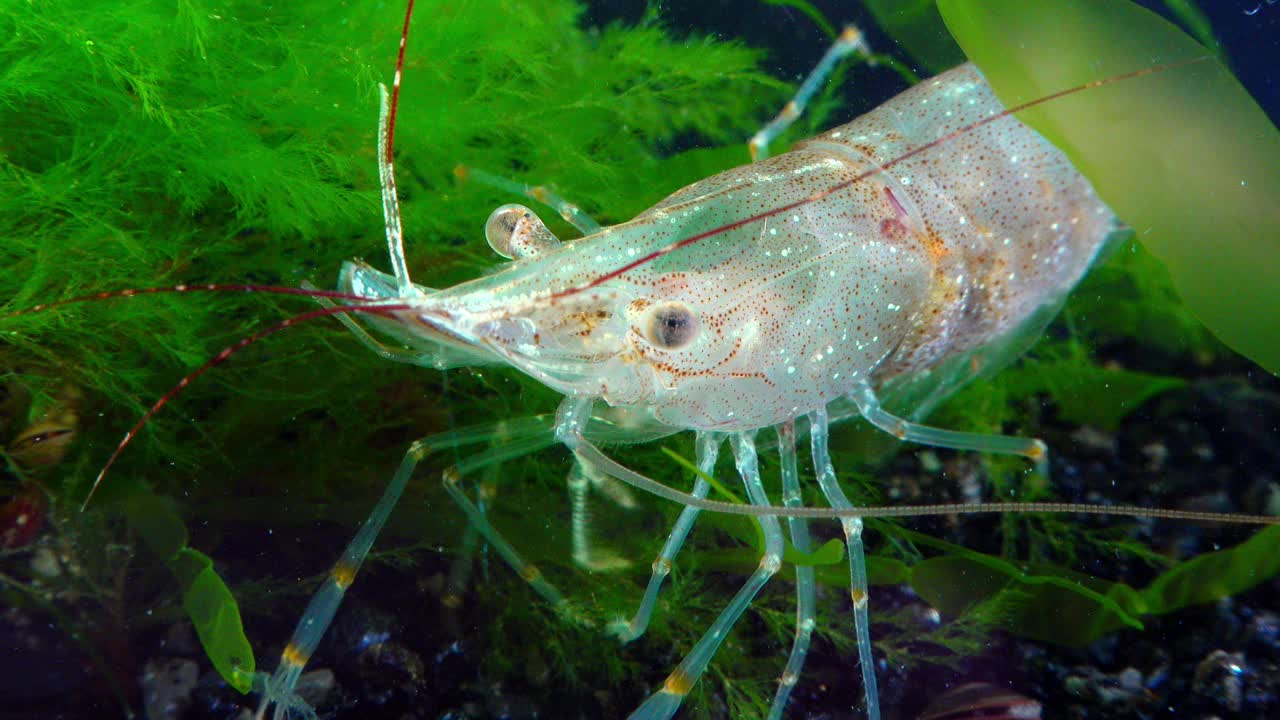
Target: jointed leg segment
pixel 849 40
pixel 852 526
pixel 664 703
pixel 708 450
pixel 1030 448
pixel 806 583
pixel 279 688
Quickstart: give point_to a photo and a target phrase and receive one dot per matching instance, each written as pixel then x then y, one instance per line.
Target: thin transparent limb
pixel 529 572
pixel 461 569
pixel 390 199
pixel 708 451
pixel 1031 448
pixel 539 193
pixel 850 40
pixel 806 585
pixel 852 526
pixel 664 703
pixel 586 450
pixel 582 479
pixel 280 688
pixel 386 352
pixel 574 412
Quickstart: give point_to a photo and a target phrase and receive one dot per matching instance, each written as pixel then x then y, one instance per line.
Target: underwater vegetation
pixel 153 144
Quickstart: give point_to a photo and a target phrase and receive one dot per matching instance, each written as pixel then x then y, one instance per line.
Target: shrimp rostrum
pixel 779 296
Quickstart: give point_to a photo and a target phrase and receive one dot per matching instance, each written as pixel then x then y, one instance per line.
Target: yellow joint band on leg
pixel 678 683
pixel 293 656
pixel 343 575
pixel 530 573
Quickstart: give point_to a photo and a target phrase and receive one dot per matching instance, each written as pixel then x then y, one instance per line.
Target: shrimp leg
pixel 582 478
pixel 869 405
pixel 540 193
pixel 480 521
pixel 852 526
pixel 664 703
pixel 708 451
pixel 806 584
pixel 280 687
pixel 849 40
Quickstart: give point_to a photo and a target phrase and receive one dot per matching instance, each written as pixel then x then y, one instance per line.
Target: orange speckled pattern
pixel 803 274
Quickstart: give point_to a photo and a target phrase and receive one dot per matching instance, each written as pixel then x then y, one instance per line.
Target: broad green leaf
pixel 1213 576
pixel 1183 155
pixel 918 28
pixel 216 617
pixel 1039 602
pixel 206 599
pixel 1057 605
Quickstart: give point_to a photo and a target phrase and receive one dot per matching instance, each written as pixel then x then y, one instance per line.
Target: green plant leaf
pixel 963 578
pixel 1213 576
pixel 216 617
pixel 1035 601
pixel 1198 187
pixel 157 522
pixel 206 599
pixel 918 28
pixel 1060 606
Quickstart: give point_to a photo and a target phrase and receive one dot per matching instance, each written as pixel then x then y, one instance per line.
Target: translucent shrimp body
pixel 884 273
pixel 780 295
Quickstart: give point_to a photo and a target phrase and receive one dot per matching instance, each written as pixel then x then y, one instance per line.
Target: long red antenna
pixel 395 83
pixel 218 359
pixel 250 339
pixel 190 288
pixel 821 194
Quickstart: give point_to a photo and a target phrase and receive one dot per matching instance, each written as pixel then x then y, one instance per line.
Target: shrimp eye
pixel 671 326
pixel 514 231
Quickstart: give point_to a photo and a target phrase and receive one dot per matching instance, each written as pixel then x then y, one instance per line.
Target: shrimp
pixel 933 233
pixel 786 295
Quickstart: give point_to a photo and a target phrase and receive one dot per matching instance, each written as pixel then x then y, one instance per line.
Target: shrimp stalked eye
pixel 670 326
pixel 515 231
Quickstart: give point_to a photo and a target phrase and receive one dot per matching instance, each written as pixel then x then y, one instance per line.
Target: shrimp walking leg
pixel 279 688
pixel 852 526
pixel 708 451
pixel 869 405
pixel 480 521
pixel 540 193
pixel 806 585
pixel 664 703
pixel 848 41
pixel 582 478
